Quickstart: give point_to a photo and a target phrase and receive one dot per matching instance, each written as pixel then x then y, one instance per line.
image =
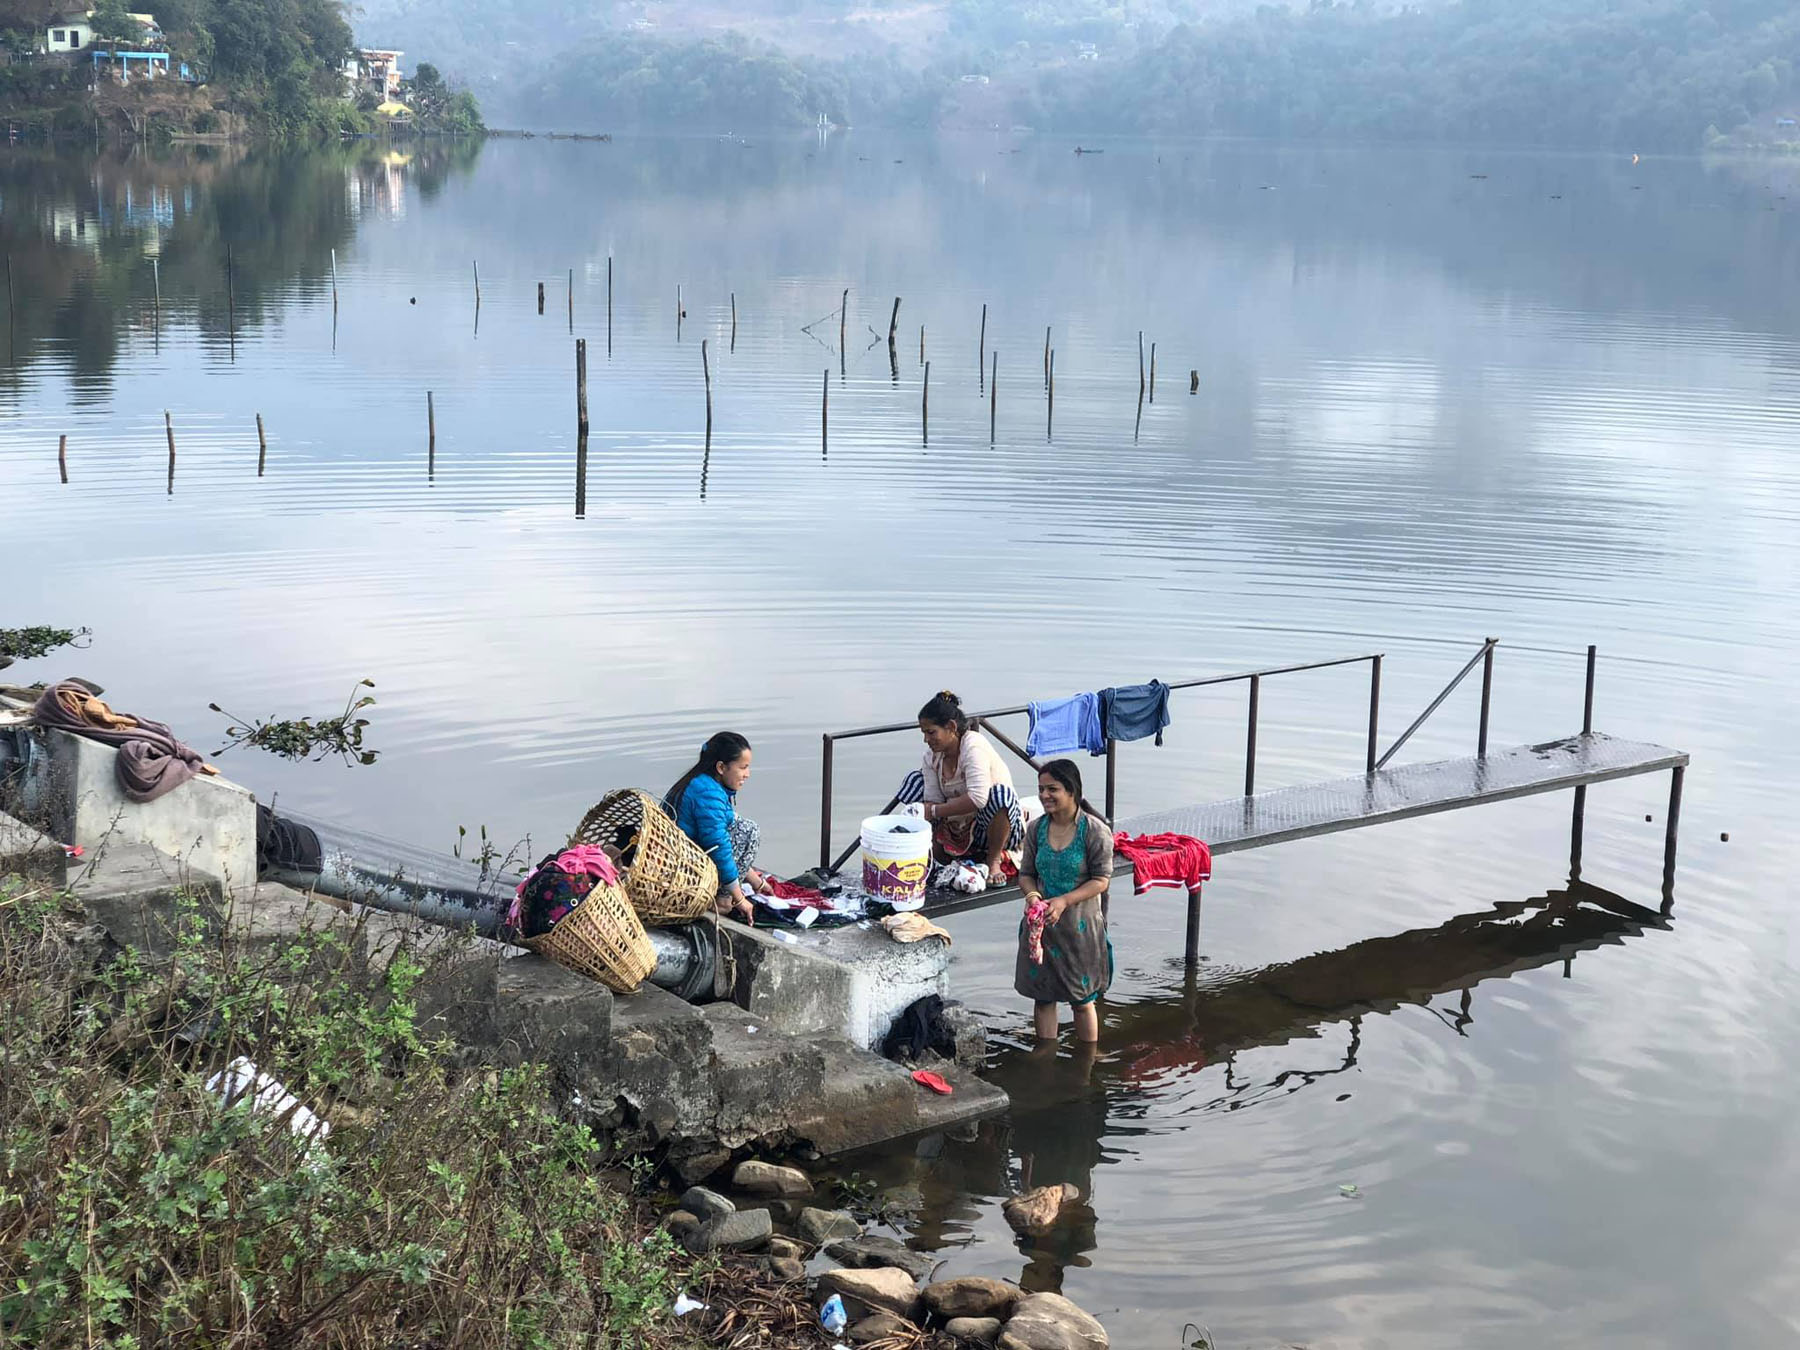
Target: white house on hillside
pixel 74 30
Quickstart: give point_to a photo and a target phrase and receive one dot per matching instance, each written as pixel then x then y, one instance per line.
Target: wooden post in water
pixel 540 297
pixel 62 456
pixel 680 311
pixel 477 268
pixel 1153 372
pixel 230 294
pixel 1050 396
pixel 581 411
pixel 581 443
pixel 825 412
pixel 334 282
pixel 156 293
pixel 262 447
pixel 734 321
pixel 609 304
pixel 430 434
pixel 169 430
pixel 994 398
pixel 981 348
pixel 925 408
pixel 706 369
pixel 1046 358
pixel 571 299
pixel 1193 382
pixel 1140 365
pixel 9 308
pixel 921 344
pixel 893 323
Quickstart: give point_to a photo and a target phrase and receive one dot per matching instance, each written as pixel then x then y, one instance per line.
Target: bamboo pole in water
pixel 706 369
pixel 925 408
pixel 430 434
pixel 921 344
pixel 609 304
pixel 1046 358
pixel 230 295
pixel 994 398
pixel 981 348
pixel 1140 365
pixel 1153 372
pixel 571 299
pixel 62 456
pixel 169 430
pixel 156 293
pixel 734 321
pixel 540 297
pixel 1193 382
pixel 334 281
pixel 843 313
pixel 893 323
pixel 1050 399
pixel 262 447
pixel 825 413
pixel 581 404
pixel 477 268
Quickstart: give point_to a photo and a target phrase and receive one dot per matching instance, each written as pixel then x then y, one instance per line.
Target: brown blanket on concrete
pixel 151 760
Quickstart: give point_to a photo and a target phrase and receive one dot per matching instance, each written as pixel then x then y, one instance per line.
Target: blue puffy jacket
pixel 705 816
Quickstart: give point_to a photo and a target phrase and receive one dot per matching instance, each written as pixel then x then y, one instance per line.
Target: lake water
pixel 1442 396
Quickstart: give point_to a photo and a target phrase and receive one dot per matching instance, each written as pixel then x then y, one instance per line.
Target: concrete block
pixel 30 853
pixel 851 981
pixel 544 1012
pixel 207 824
pixel 134 891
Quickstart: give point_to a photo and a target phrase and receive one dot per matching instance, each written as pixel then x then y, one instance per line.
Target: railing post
pixel 825 802
pixel 1112 780
pixel 1374 710
pixel 1487 690
pixel 1587 703
pixel 1250 739
pixel 1670 830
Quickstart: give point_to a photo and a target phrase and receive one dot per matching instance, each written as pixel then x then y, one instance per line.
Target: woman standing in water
pixel 704 804
pixel 1064 953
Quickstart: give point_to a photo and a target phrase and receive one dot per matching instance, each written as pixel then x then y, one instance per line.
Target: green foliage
pixel 439 108
pixel 138 1208
pixel 25 644
pixel 304 738
pixel 111 23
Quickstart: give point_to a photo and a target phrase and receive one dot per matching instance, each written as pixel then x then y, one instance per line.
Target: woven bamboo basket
pixel 601 938
pixel 670 880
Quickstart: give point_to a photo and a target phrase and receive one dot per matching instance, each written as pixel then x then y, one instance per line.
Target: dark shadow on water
pixel 1070 1103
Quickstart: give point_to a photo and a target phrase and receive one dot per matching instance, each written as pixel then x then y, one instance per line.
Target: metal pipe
pixel 1193 929
pixel 1112 780
pixel 1036 767
pixel 1487 693
pixel 1587 703
pixel 825 803
pixel 1250 738
pixel 1374 710
pixel 1436 703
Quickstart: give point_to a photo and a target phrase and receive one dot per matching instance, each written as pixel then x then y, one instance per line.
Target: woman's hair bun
pixel 949 697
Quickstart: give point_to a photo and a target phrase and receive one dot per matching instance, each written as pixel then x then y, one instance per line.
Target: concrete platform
pixel 72 793
pixel 31 853
pixel 851 981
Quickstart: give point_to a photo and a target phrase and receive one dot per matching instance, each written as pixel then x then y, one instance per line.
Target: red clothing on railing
pixel 1165 860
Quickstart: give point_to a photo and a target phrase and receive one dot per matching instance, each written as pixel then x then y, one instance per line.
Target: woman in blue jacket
pixel 703 804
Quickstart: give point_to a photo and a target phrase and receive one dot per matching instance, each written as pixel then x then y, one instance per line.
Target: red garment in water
pixel 1165 860
pixel 1035 915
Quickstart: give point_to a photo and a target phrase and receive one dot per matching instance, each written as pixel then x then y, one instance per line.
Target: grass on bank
pixel 450 1206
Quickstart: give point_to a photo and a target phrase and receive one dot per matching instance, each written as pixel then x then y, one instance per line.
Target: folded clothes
pixel 1062 724
pixel 151 761
pixel 1133 711
pixel 1175 860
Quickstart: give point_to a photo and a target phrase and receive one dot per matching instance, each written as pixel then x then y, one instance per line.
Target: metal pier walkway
pixel 1374 797
pixel 1425 789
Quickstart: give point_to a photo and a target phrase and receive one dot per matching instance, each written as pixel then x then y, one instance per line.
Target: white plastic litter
pixel 788 938
pixel 241 1080
pixel 914 809
pixel 685 1305
pixel 832 1316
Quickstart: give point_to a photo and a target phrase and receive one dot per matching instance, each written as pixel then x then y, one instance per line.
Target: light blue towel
pixel 1064 724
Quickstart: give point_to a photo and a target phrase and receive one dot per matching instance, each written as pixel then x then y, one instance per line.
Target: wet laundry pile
pixel 557 885
pixel 151 760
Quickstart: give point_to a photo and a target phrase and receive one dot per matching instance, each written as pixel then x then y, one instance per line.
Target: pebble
pixel 819 1226
pixel 762 1178
pixel 973 1330
pixel 708 1205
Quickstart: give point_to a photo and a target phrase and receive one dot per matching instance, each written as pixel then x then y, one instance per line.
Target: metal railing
pixel 1372 760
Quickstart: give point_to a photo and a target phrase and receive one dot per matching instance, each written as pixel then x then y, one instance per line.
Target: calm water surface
pixel 1442 396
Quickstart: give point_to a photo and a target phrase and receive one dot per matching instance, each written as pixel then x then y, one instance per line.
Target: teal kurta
pixel 1077 965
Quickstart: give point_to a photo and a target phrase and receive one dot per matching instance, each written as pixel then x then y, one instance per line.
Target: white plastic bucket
pixel 896 857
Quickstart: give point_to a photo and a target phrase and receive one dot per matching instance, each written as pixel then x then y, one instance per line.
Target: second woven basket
pixel 669 878
pixel 601 938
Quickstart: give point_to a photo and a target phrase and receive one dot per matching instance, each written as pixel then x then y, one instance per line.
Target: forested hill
pixel 1635 74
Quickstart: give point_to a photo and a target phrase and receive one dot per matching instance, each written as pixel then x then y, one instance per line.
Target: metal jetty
pixel 1376 796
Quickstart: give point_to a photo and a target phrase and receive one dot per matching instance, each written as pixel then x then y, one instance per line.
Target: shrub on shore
pixel 448 1206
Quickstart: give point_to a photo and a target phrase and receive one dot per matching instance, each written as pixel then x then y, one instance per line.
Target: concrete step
pixel 31 853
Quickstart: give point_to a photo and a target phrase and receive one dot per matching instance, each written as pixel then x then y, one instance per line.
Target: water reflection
pixel 103 246
pixel 1075 1109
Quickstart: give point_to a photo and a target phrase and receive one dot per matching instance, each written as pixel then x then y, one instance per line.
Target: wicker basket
pixel 602 939
pixel 670 880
